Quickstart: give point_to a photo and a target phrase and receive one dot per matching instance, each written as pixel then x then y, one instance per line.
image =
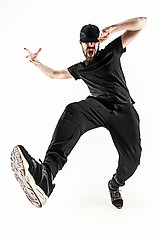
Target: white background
pixel 31 105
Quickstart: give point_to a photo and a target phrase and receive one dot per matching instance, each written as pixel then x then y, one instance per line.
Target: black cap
pixel 89 33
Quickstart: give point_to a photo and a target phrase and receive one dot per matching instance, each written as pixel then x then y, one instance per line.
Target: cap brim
pixel 87 40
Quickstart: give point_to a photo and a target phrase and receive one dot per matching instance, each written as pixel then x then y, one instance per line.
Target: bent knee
pixel 71 111
pixel 70 106
pixel 135 155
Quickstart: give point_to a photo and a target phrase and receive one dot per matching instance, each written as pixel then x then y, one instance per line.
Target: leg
pixel 124 129
pixel 77 118
pixel 36 179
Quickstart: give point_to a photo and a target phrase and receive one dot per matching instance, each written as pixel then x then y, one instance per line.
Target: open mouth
pixel 90 53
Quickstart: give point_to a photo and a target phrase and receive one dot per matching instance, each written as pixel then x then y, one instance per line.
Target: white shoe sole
pixel 20 168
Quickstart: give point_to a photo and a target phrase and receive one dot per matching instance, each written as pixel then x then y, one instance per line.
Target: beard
pixel 90 53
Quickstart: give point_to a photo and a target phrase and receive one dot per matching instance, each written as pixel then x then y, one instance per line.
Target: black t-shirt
pixel 103 75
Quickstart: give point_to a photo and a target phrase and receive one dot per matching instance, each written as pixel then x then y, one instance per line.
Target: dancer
pixel 109 105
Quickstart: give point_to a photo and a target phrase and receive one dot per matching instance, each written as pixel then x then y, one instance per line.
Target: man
pixel 110 106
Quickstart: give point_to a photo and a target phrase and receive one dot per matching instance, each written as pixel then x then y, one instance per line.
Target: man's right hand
pixel 49 72
pixel 33 56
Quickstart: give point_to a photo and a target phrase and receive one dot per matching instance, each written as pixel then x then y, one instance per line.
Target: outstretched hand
pixel 105 33
pixel 33 56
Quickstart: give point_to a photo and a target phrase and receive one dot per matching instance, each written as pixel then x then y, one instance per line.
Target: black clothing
pixel 89 33
pixel 110 106
pixel 122 122
pixel 103 75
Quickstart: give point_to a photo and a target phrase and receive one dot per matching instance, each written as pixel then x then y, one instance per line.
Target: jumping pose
pixel 109 105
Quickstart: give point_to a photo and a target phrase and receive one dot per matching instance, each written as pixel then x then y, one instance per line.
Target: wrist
pixel 37 63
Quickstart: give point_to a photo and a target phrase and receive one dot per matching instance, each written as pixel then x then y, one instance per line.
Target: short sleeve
pixel 73 70
pixel 116 45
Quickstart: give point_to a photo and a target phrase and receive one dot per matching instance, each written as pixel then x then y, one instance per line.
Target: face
pixel 90 50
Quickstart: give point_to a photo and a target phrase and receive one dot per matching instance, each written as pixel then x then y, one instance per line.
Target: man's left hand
pixel 105 33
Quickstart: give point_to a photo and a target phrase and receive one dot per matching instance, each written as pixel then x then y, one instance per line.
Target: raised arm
pixel 131 26
pixel 49 72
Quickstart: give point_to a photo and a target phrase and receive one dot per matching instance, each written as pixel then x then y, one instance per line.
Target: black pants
pixel 121 120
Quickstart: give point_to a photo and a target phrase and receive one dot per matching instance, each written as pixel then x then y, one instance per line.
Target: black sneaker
pixel 116 198
pixel 35 179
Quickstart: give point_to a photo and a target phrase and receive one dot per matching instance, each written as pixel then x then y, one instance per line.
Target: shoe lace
pixel 40 161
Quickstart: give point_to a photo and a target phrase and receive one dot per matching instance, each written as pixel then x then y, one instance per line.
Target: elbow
pixel 143 21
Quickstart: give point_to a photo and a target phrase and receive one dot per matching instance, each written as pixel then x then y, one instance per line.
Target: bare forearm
pixel 49 72
pixel 53 74
pixel 132 24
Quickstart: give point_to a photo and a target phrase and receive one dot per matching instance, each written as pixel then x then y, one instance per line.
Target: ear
pixel 80 42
